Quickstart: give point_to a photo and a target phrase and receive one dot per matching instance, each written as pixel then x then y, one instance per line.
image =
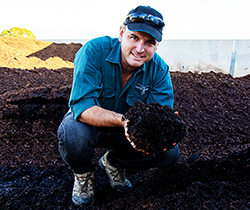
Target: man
pixel 110 75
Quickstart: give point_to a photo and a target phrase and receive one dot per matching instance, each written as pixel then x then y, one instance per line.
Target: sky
pixel 87 19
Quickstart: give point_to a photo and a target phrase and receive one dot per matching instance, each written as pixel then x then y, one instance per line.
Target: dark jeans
pixel 77 141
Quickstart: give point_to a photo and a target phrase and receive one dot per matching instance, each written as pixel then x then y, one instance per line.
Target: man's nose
pixel 140 47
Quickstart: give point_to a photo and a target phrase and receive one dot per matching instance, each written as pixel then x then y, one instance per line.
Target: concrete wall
pixel 227 56
pixel 242 58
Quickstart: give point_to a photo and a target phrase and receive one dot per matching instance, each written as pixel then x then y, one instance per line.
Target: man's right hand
pixel 126 133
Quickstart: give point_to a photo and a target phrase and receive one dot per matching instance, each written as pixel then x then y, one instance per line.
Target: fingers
pixel 126 129
pixel 132 144
pixel 127 135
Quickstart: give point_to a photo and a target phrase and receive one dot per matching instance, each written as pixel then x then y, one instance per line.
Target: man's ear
pixel 121 32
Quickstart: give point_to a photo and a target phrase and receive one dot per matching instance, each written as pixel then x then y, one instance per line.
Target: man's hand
pixel 126 129
pixel 126 132
pixel 131 142
pixel 127 135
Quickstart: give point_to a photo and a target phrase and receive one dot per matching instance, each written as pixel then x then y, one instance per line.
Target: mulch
pixel 214 106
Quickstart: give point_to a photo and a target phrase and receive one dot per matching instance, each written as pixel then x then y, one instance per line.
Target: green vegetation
pixel 18 32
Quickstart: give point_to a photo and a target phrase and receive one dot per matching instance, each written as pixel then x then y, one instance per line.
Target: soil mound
pixel 27 53
pixel 214 107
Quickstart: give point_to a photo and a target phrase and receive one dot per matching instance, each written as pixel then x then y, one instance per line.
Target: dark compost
pixel 214 106
pixel 154 127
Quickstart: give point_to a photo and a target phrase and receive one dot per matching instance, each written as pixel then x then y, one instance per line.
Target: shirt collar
pixel 115 55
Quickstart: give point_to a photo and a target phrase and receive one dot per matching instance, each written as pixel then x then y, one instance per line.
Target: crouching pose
pixel 110 75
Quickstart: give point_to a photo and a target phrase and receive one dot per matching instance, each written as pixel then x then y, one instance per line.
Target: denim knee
pixel 76 144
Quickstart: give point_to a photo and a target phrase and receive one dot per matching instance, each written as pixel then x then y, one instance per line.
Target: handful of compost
pixel 153 127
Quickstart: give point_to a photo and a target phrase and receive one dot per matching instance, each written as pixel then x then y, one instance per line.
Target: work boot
pixel 116 175
pixel 83 191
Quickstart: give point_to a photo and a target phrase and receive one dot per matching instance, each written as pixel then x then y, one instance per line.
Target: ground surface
pixel 215 108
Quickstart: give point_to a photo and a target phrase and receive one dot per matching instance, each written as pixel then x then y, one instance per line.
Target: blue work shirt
pixel 97 79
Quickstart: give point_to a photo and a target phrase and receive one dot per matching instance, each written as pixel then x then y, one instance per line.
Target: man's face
pixel 137 48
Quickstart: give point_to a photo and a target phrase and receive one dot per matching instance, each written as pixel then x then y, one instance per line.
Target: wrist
pixel 123 121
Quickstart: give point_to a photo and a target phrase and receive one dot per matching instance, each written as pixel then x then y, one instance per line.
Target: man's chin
pixel 136 64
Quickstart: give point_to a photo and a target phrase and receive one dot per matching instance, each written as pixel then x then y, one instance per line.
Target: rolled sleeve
pixel 87 85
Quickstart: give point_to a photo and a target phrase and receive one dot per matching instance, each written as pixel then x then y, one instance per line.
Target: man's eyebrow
pixel 151 39
pixel 132 34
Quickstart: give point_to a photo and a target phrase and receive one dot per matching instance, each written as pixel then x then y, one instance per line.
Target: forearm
pixel 100 117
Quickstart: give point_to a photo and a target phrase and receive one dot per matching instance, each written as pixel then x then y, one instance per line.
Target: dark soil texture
pixel 153 127
pixel 215 108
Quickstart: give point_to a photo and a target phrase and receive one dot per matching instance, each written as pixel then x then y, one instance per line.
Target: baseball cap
pixel 146 19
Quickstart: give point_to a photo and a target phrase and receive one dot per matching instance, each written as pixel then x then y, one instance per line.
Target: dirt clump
pixel 153 127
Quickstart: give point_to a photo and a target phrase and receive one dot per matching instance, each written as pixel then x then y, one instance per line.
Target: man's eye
pixel 152 42
pixel 134 37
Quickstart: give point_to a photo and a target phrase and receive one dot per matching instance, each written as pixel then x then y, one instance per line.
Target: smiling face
pixel 137 48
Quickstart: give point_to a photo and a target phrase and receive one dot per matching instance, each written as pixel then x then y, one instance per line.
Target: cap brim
pixel 146 28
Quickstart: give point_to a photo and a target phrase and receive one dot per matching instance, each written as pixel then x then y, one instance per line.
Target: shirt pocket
pixel 107 98
pixel 133 97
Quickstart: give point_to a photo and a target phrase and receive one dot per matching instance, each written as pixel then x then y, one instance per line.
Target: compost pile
pixel 153 127
pixel 215 108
